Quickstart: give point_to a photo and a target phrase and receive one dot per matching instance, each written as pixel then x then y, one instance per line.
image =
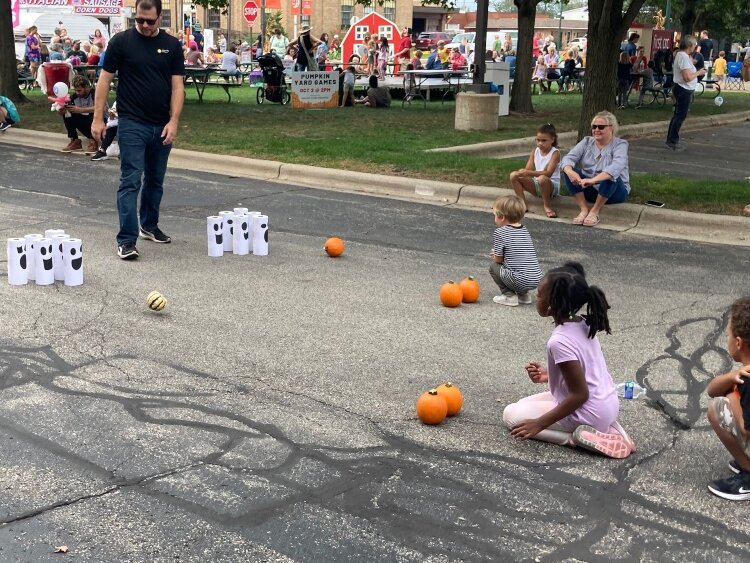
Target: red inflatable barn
pixel 372 23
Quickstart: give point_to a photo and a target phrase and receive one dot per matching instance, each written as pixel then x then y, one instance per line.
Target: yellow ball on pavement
pixel 156 301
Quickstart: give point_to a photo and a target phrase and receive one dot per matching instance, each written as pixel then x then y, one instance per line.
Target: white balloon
pixel 718 100
pixel 60 89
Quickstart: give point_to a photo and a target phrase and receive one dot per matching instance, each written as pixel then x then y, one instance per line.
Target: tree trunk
pixel 606 31
pixel 8 74
pixel 688 17
pixel 520 96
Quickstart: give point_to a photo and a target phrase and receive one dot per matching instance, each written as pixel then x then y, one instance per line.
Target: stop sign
pixel 250 11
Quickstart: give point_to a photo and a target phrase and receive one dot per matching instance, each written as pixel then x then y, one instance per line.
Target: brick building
pixel 328 16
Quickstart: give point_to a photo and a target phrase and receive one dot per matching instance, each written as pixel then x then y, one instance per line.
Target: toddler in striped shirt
pixel 515 267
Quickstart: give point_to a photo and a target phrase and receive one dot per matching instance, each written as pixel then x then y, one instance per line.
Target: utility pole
pixel 559 29
pixel 229 24
pixel 480 46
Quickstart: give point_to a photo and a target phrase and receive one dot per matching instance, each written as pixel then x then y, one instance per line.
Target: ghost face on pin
pixel 265 231
pixel 218 229
pixel 21 249
pixel 46 252
pixel 230 222
pixel 75 262
pixel 245 231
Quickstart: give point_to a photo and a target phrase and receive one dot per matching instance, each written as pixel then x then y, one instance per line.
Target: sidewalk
pixel 626 218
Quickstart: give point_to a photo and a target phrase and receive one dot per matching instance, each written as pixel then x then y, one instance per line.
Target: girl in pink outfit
pixel 581 407
pixel 382 58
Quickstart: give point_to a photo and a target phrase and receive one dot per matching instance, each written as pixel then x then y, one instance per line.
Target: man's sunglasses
pixel 149 21
pixel 600 127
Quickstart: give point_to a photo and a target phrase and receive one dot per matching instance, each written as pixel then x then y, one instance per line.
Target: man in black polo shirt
pixel 706 46
pixel 150 95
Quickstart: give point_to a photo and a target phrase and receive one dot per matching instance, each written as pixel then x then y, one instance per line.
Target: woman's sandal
pixel 591 220
pixel 580 218
pixel 550 213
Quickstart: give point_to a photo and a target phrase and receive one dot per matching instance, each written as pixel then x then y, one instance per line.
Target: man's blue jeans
pixel 613 190
pixel 143 164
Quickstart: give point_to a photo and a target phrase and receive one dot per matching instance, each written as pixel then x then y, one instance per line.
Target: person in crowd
pixel 78 116
pixel 624 70
pixel 729 406
pixel 377 96
pixel 198 36
pixel 470 58
pixel 93 58
pixel 305 45
pixel 192 43
pixel 212 56
pixel 443 55
pixel 410 84
pixel 76 55
pixel 372 54
pixel 222 44
pixel 539 44
pixel 383 55
pixel 56 52
pixel 497 44
pixel 181 39
pixel 568 74
pixel 55 39
pixel 33 50
pixel 630 46
pixel 433 61
pixel 685 77
pixel 720 67
pixel 706 46
pixel 515 268
pixel 416 60
pixel 146 60
pixel 321 51
pixel 98 39
pixel 349 80
pixel 507 43
pixel 230 63
pixel 259 46
pixel 552 60
pixel 581 407
pixel 109 135
pixel 698 62
pixel 596 170
pixel 335 43
pixel 638 63
pixel 540 74
pixel 402 53
pixel 541 175
pixel 647 81
pixel 510 58
pixel 8 114
pixel 279 43
pixel 194 57
pixel 457 60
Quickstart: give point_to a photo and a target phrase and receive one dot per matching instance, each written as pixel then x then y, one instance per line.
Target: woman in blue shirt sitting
pixel 595 171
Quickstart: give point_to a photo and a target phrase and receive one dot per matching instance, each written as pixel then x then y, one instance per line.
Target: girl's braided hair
pixel 569 291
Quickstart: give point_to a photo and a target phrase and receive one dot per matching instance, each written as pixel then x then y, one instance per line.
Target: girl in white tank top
pixel 541 175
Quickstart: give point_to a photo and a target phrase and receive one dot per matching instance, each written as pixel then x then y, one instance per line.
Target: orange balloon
pixel 334 246
pixel 431 407
pixel 451 294
pixel 454 399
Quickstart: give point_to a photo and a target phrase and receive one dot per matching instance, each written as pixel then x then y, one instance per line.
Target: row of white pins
pixel 45 259
pixel 238 231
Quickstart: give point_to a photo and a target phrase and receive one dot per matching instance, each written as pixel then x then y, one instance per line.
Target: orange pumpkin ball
pixel 334 246
pixel 431 407
pixel 451 294
pixel 470 289
pixel 454 399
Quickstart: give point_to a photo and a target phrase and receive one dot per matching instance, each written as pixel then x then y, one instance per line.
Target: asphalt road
pixel 268 413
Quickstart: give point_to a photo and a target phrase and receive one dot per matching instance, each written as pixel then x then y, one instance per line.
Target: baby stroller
pixel 274 84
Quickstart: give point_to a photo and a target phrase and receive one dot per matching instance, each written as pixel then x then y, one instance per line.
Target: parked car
pixel 428 40
pixel 579 43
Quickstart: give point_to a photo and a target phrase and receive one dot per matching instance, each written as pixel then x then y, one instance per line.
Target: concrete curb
pixel 514 147
pixel 625 217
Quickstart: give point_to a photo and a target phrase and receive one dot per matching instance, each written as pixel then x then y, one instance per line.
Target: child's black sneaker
pixel 127 252
pixel 99 155
pixel 736 487
pixel 5 125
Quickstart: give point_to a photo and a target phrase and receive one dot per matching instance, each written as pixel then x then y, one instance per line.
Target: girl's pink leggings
pixel 535 406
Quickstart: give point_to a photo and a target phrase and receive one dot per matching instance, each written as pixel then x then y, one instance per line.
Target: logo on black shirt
pixel 165 51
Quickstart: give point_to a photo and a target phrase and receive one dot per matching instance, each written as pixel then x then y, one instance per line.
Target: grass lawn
pixel 391 141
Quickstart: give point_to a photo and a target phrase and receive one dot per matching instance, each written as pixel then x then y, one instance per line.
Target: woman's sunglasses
pixel 149 21
pixel 600 127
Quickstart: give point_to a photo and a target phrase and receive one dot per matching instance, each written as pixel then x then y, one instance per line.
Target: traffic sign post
pixel 250 11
